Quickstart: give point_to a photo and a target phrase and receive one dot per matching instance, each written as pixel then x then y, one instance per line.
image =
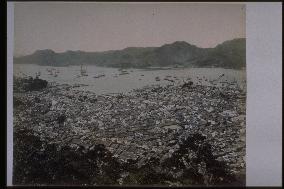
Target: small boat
pixel 157 79
pixel 123 73
pixel 169 80
pixel 98 76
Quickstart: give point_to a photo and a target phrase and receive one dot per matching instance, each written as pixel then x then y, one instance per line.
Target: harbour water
pixel 102 80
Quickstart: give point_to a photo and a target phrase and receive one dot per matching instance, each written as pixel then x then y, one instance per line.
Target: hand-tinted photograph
pixel 129 94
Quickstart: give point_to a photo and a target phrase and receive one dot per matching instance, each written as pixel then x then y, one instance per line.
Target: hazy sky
pixel 111 26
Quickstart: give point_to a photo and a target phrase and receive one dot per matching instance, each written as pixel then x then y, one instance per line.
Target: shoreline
pixel 139 68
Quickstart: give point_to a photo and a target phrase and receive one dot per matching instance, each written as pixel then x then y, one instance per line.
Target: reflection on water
pixel 112 80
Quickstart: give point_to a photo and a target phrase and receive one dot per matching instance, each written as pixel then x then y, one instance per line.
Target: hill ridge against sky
pixel 229 54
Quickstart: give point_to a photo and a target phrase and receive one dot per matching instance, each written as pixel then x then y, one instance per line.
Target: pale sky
pixel 110 26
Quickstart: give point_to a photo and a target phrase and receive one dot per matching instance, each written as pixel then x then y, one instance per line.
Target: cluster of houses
pixel 149 122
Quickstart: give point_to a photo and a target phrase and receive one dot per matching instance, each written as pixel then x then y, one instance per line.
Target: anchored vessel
pixel 83 71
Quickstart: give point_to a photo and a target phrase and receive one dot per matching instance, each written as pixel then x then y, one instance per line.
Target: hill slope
pixel 229 54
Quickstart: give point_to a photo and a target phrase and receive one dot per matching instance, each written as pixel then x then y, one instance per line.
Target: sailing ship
pixel 52 71
pixel 49 71
pixel 83 71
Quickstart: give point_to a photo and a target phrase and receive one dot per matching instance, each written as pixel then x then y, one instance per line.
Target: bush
pixel 37 162
pixel 29 84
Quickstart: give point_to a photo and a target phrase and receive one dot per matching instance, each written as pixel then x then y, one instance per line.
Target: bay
pixel 105 80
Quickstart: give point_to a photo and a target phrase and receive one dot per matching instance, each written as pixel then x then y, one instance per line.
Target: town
pixel 147 123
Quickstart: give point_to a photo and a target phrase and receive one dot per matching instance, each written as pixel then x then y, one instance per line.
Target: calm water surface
pixel 113 82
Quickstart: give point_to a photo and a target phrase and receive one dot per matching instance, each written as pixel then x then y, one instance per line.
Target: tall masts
pixel 83 71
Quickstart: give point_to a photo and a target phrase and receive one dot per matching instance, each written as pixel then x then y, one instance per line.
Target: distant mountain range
pixel 229 54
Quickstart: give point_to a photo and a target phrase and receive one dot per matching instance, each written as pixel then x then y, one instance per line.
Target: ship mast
pixel 83 71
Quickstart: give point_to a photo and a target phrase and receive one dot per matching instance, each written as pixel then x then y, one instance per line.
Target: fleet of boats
pixel 52 71
pixel 83 72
